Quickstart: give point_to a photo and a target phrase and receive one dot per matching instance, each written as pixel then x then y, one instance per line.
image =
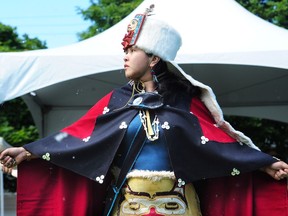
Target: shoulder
pixel 120 96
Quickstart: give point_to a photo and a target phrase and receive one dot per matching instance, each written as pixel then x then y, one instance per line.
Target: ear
pixel 154 61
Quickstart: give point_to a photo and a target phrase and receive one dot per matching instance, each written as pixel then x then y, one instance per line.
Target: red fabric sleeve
pixel 271 196
pixel 250 194
pixel 44 189
pixel 85 125
pixel 207 123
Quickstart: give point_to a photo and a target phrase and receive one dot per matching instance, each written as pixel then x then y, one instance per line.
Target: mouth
pixel 125 66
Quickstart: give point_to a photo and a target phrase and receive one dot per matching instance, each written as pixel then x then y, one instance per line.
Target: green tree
pixel 105 13
pixel 274 11
pixel 16 124
pixel 11 41
pixel 270 136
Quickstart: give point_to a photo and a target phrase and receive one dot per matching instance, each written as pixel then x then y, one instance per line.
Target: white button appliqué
pixel 204 140
pixel 165 125
pixel 181 182
pixel 100 179
pixel 235 172
pixel 86 139
pixel 46 156
pixel 123 125
pixel 106 110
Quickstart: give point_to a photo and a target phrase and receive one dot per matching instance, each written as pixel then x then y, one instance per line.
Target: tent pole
pixel 1 193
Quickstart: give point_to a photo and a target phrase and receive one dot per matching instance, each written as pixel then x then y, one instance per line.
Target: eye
pixel 134 206
pixel 171 205
pixel 129 50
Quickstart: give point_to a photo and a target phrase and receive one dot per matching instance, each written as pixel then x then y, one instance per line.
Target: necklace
pixel 151 129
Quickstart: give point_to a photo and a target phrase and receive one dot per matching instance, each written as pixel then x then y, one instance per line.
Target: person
pixel 154 144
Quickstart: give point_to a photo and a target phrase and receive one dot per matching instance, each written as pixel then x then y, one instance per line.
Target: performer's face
pixel 137 64
pixel 154 199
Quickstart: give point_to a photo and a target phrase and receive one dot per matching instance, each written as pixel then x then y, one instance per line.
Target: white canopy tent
pixel 242 57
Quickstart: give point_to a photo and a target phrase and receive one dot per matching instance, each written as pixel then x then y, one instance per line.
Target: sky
pixel 54 21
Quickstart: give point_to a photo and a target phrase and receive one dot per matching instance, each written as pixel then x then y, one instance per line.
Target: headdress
pixel 152 36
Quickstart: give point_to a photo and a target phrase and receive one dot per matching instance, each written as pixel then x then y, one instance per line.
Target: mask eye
pixel 171 205
pixel 134 206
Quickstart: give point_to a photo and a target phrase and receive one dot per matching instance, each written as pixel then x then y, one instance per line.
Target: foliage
pixel 16 124
pixel 274 11
pixel 105 13
pixel 11 41
pixel 32 43
pixel 270 136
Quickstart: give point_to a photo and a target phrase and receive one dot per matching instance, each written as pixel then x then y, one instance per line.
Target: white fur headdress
pixel 153 36
pixel 159 38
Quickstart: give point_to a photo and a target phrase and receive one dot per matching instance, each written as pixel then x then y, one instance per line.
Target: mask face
pixel 158 198
pixel 133 31
pixel 132 25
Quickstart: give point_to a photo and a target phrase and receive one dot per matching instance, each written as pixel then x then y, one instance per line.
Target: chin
pixel 127 75
pixel 130 77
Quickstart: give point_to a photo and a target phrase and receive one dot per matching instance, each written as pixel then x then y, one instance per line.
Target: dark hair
pixel 171 85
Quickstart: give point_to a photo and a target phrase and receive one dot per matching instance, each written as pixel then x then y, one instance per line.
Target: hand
pixel 277 170
pixel 11 157
pixel 6 169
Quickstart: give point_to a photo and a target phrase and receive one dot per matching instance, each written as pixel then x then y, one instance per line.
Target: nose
pixel 125 58
pixel 153 213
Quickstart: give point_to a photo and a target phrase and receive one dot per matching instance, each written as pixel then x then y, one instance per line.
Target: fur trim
pixel 151 175
pixel 159 38
pixel 209 99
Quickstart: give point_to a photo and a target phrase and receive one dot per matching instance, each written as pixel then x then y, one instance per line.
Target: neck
pixel 150 86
